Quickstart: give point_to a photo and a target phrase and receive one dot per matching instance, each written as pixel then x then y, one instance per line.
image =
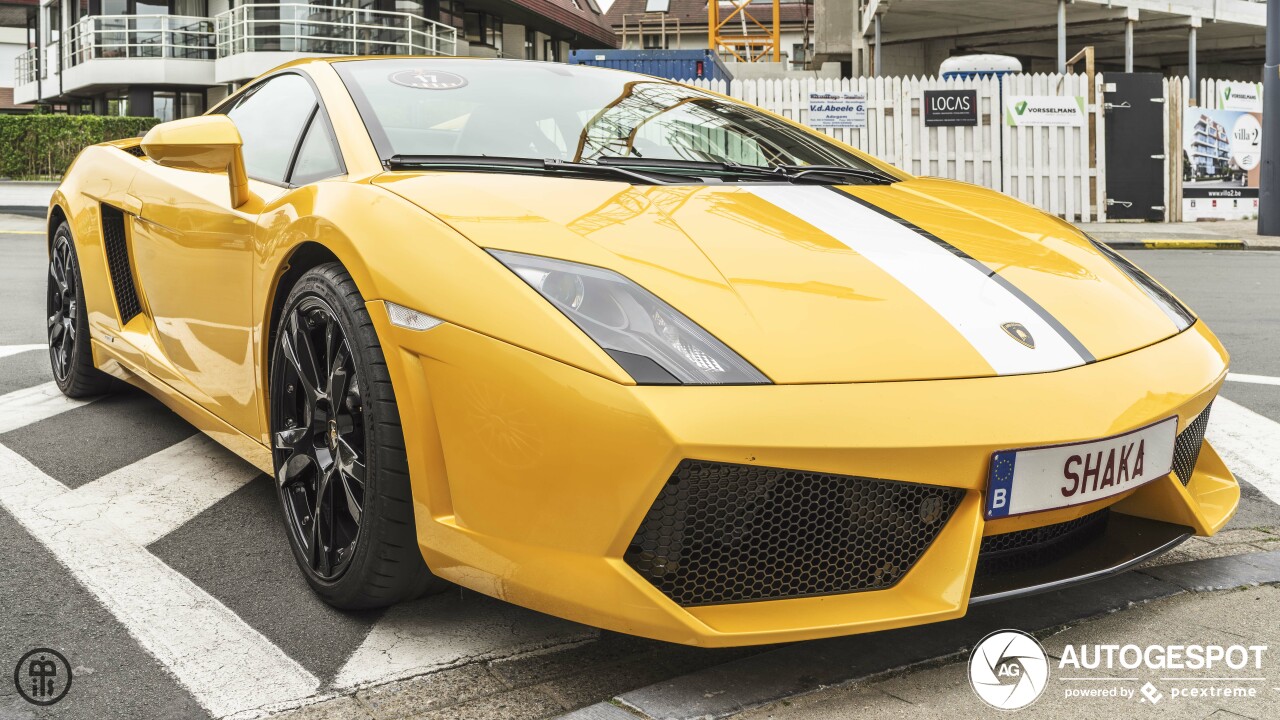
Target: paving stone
pixel 600 711
pixel 602 683
pixel 1221 573
pixel 1198 549
pixel 428 692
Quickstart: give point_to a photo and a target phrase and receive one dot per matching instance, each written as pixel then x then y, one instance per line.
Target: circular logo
pixel 43 676
pixel 1246 142
pixel 425 79
pixel 1008 669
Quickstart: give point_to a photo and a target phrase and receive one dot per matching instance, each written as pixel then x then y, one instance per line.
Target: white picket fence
pixel 1049 167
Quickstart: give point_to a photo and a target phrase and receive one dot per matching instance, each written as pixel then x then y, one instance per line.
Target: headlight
pixel 655 343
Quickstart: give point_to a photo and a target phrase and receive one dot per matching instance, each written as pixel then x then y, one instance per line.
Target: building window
pixel 448 12
pixel 484 29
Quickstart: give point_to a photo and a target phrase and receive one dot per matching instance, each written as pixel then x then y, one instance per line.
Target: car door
pixel 193 253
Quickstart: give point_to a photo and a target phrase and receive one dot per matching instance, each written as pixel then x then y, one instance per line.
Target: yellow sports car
pixel 632 353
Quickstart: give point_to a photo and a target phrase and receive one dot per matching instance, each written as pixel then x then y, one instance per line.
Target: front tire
pixel 70 356
pixel 340 465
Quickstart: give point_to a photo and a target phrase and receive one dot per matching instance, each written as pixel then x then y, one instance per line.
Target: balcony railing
pixel 26 68
pixel 138 36
pixel 301 28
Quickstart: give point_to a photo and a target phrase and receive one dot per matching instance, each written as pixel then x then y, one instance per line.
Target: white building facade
pixel 176 58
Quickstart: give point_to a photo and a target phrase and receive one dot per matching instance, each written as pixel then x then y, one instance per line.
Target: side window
pixel 270 119
pixel 317 158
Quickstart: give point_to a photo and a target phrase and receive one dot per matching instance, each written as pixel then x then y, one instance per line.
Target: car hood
pixel 922 279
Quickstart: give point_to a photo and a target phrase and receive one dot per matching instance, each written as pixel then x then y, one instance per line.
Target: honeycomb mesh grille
pixel 1186 451
pixel 1036 546
pixel 721 533
pixel 117 249
pixel 134 150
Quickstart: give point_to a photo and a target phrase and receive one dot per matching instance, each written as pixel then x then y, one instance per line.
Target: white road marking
pixel 967 298
pixel 1249 444
pixel 448 630
pixel 33 404
pixel 1255 379
pixel 227 665
pixel 158 494
pixel 7 350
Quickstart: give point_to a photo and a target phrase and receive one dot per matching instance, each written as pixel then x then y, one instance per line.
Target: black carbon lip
pixel 982 267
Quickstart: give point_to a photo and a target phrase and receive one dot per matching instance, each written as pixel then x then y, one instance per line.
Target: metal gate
pixel 1135 146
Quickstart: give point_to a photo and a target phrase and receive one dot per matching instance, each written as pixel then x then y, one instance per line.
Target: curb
pixel 1196 244
pixel 724 690
pixel 25 210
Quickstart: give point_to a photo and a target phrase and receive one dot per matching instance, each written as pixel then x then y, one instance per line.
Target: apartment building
pixel 1210 148
pixel 176 58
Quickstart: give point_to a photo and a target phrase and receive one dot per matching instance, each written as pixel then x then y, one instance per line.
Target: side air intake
pixel 117 248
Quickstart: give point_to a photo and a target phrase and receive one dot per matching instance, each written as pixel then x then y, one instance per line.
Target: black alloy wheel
pixel 67 323
pixel 62 307
pixel 342 473
pixel 319 439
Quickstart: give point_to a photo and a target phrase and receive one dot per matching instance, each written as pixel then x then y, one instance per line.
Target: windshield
pixel 515 109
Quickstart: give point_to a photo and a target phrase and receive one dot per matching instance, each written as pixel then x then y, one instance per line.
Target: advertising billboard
pixel 1221 159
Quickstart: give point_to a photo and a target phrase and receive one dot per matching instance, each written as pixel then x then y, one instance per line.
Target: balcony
pixel 254 38
pixel 104 51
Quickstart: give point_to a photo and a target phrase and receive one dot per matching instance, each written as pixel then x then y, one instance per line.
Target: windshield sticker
pixel 428 79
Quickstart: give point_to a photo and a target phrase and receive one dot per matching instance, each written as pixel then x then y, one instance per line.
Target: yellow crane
pixel 757 38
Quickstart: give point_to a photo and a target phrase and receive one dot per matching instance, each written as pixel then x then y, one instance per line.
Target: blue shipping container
pixel 671 64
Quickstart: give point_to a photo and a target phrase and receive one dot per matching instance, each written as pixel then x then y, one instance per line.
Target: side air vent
pixel 113 240
pixel 134 150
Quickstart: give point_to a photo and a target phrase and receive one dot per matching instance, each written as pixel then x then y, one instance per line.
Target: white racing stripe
pixel 159 494
pixel 1248 443
pixel 33 404
pixel 973 303
pixel 228 666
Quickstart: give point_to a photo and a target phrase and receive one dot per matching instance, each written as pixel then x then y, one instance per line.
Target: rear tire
pixel 338 447
pixel 70 353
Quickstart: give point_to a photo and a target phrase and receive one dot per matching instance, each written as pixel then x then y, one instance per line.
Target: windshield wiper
pixel 785 173
pixel 875 177
pixel 498 164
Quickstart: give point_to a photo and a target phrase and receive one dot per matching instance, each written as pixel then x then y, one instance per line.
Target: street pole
pixel 1269 192
pixel 1062 37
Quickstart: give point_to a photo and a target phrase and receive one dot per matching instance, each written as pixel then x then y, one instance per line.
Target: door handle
pixel 1157 157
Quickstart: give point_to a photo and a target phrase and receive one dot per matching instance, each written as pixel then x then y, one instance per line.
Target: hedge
pixel 44 145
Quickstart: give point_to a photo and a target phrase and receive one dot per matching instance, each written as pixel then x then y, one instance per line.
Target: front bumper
pixel 531 477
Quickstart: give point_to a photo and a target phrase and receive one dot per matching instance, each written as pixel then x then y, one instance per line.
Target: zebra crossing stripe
pixel 159 494
pixel 8 350
pixel 33 404
pixel 227 665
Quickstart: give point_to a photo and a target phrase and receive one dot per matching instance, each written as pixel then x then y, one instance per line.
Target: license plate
pixel 1057 476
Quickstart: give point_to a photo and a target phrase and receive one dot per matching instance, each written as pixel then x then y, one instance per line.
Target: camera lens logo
pixel 1008 670
pixel 42 676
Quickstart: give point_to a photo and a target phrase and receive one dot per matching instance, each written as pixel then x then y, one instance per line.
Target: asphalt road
pixel 93 595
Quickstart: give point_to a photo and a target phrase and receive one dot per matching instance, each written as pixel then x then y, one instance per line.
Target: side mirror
pixel 207 143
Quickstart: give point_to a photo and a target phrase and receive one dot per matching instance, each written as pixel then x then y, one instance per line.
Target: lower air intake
pixel 722 533
pixel 1186 451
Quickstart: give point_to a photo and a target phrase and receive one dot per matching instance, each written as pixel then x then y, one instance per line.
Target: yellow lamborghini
pixel 632 353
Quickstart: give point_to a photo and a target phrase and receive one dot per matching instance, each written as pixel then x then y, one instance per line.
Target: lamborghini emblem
pixel 1019 332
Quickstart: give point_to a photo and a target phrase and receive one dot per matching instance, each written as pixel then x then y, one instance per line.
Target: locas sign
pixel 950 108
